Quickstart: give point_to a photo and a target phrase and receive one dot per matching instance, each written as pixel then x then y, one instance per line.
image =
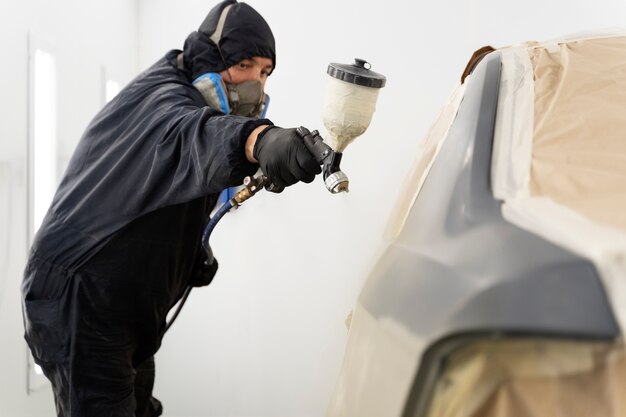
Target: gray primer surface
pixel 458 271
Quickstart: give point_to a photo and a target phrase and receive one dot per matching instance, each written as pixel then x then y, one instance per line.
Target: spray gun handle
pixel 315 144
pixel 334 179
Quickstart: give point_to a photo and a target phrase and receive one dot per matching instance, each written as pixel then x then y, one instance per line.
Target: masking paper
pixel 579 144
pixel 533 378
pixel 427 150
pixel 571 188
pixel 378 368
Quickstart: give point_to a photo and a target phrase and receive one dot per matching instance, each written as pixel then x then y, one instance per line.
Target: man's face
pixel 255 68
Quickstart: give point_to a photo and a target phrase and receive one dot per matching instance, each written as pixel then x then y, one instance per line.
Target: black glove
pixel 283 157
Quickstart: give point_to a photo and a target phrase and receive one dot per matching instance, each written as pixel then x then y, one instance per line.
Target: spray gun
pixel 349 103
pixel 334 179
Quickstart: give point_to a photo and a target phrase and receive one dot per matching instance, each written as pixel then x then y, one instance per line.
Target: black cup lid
pixel 358 73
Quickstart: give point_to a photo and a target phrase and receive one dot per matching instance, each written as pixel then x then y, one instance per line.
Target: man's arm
pixel 252 141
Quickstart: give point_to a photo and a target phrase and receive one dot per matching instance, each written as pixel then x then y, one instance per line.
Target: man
pixel 121 240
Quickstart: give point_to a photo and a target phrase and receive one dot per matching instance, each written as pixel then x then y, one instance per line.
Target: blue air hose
pixel 252 185
pixel 206 235
pixel 208 229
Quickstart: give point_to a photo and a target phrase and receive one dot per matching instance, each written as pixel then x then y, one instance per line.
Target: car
pixel 502 290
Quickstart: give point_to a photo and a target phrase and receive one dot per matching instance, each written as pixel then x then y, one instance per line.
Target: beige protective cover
pixel 559 161
pixel 533 378
pixel 579 145
pixel 381 356
pixel 378 368
pixel 574 201
pixel 427 151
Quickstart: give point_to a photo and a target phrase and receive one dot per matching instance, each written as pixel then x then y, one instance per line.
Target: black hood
pixel 238 30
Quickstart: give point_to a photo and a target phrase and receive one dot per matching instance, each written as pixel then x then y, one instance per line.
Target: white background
pixel 267 337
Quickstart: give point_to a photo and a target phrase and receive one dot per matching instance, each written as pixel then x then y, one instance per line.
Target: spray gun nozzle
pixel 334 178
pixel 337 182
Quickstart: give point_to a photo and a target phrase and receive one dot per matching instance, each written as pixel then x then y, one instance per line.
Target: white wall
pixel 84 36
pixel 267 337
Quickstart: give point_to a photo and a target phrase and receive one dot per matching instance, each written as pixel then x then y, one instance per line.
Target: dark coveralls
pixel 122 240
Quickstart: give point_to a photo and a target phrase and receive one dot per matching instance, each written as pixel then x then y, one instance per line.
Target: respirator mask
pixel 243 99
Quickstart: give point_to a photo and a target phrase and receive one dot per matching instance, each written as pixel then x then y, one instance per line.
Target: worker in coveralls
pixel 122 238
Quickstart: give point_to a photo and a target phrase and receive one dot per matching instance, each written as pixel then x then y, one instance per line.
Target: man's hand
pixel 282 155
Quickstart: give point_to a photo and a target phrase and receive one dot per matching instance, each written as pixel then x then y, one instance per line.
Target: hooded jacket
pixel 230 33
pixel 156 144
pixel 142 181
